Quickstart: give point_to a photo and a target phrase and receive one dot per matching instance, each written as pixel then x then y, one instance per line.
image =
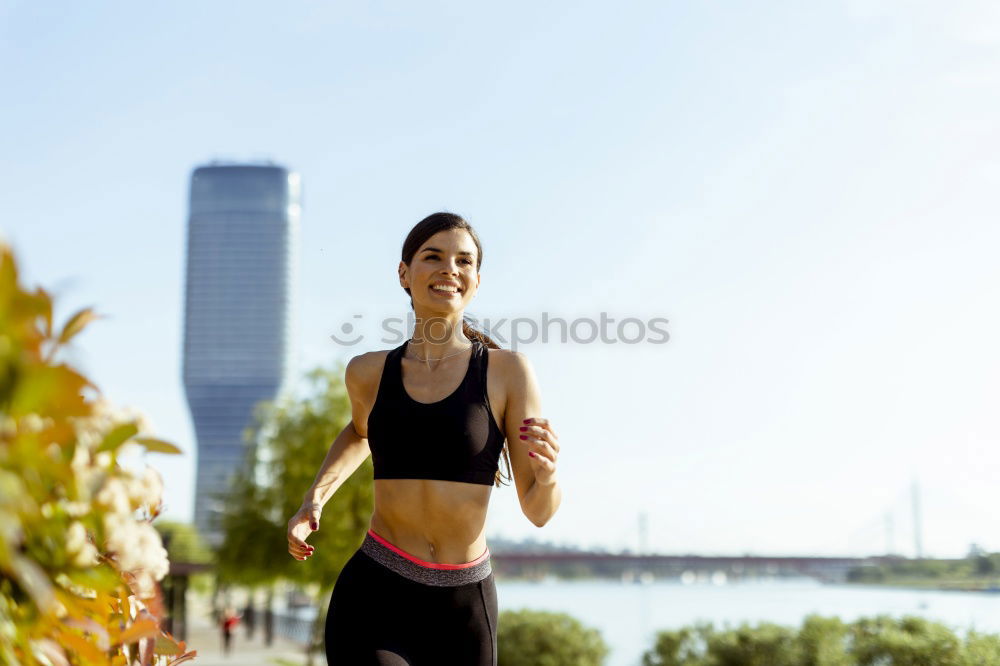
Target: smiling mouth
pixel 446 292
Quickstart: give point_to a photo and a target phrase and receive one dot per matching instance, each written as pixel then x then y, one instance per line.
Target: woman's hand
pixel 300 526
pixel 543 443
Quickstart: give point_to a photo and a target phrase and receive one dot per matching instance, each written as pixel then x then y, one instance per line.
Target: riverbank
pixel 984 587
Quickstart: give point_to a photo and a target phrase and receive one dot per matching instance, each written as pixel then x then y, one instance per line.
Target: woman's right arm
pixel 345 455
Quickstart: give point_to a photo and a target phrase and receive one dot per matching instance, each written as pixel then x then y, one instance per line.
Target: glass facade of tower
pixel 242 234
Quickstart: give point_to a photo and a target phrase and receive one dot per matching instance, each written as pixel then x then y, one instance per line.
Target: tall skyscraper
pixel 238 348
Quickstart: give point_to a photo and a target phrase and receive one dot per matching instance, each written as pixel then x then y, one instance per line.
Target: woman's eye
pixel 434 256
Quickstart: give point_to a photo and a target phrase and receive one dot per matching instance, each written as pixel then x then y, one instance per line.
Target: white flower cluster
pixel 134 545
pixel 82 552
pixel 125 491
pixel 9 426
pixel 139 550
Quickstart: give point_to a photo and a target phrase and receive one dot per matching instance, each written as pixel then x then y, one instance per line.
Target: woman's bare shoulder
pixel 508 361
pixel 365 369
pixel 511 367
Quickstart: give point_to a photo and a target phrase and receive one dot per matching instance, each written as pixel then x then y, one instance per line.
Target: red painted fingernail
pixel 526 420
pixel 523 428
pixel 531 453
pixel 523 437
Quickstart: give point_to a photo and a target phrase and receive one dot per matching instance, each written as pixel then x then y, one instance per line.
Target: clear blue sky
pixel 807 191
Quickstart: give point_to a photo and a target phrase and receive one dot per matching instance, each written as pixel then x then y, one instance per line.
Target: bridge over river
pixel 689 568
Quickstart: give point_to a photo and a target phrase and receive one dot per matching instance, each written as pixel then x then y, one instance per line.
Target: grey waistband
pixel 420 573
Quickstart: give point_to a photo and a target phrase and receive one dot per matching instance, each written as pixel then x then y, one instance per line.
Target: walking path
pixel 206 637
pixel 207 640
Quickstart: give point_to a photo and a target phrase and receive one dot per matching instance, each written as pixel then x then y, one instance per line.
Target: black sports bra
pixel 454 439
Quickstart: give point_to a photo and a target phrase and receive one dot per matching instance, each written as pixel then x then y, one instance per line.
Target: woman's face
pixel 447 259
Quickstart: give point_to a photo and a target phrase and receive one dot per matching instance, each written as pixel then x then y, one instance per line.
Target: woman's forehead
pixel 452 240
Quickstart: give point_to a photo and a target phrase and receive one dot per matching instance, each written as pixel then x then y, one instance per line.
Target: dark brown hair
pixel 419 235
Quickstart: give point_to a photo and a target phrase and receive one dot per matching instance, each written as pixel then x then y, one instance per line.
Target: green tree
pixel 908 641
pixel 981 649
pixel 183 543
pixel 985 565
pixel 679 647
pixel 767 644
pixel 540 638
pixel 821 642
pixel 286 446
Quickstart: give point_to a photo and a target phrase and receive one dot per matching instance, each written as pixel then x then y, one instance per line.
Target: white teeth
pixel 443 288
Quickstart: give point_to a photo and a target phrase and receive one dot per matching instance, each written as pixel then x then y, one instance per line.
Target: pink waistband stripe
pixel 424 563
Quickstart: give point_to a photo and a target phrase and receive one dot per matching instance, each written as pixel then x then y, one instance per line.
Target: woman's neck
pixel 437 350
pixel 436 336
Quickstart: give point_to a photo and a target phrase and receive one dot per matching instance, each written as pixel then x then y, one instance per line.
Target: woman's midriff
pixel 436 521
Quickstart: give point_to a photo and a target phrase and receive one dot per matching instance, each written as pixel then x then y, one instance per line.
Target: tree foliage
pixel 183 543
pixel 541 638
pixel 287 444
pixel 977 570
pixel 824 641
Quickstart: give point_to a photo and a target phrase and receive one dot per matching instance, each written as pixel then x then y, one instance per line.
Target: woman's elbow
pixel 537 519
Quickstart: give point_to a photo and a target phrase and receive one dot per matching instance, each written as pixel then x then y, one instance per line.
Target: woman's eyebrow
pixel 434 249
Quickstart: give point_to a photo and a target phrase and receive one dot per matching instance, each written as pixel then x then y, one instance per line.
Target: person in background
pixel 249 617
pixel 228 623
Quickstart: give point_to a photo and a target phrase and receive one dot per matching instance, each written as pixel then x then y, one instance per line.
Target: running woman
pixel 435 414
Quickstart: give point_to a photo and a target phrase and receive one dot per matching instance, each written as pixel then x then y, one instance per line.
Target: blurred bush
pixel 79 559
pixel 822 641
pixel 540 638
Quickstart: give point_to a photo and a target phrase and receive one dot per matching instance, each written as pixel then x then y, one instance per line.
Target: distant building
pixel 241 238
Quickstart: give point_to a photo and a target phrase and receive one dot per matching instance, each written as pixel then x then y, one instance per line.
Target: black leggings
pixel 390 608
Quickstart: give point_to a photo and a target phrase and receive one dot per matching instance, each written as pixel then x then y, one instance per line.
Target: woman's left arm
pixel 532 442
